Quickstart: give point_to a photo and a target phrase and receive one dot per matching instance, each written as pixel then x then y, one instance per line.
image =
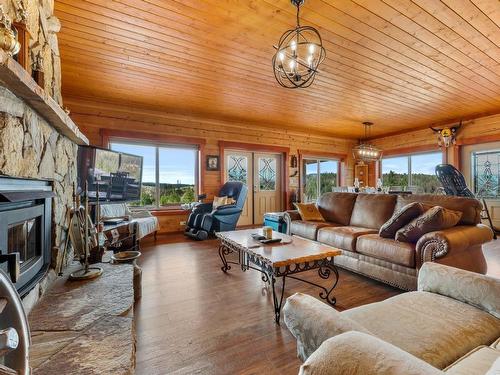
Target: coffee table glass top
pixel 291 249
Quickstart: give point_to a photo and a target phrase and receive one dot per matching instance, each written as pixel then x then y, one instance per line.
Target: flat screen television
pixel 115 175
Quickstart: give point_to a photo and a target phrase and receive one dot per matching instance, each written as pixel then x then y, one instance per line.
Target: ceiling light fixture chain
pixel 299 53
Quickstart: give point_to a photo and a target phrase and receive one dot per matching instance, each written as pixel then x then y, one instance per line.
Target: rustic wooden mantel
pixel 20 83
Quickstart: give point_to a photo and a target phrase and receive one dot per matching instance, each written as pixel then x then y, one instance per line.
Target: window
pixel 169 174
pixel 415 172
pixel 486 172
pixel 320 176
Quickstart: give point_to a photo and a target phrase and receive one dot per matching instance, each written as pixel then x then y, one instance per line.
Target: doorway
pixel 261 173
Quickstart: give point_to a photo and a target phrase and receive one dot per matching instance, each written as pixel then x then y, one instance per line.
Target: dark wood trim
pixel 252 147
pixel 478 140
pixel 158 140
pixel 321 154
pixel 457 157
pixel 167 212
pixel 255 147
pixel 154 138
pixel 412 150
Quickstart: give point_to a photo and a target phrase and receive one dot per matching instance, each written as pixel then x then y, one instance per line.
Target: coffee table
pixel 280 260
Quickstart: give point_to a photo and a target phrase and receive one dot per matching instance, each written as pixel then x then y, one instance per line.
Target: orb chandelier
pixel 299 53
pixel 366 152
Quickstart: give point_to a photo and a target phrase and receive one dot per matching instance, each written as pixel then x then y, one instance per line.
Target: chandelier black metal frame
pixel 299 53
pixel 364 151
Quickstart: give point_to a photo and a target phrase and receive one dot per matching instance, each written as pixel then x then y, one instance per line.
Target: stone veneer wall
pixel 30 147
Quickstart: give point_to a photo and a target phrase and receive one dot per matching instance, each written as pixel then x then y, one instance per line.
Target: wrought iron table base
pixel 270 274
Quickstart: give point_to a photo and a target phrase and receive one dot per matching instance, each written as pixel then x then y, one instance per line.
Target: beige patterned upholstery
pixel 453 313
pixel 355 353
pixel 477 290
pixel 477 361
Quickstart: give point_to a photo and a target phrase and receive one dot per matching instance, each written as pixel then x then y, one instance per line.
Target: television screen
pixel 111 175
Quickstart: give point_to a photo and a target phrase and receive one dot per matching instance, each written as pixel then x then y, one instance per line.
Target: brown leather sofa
pixel 353 221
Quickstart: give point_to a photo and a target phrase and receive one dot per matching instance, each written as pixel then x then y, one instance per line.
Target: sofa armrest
pixel 472 288
pixel 290 216
pixel 311 322
pixel 434 245
pixel 360 353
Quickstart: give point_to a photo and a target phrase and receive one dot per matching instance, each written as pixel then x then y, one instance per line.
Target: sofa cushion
pixel 337 207
pixel 373 245
pixel 372 210
pixel 342 237
pixel 435 328
pixel 400 218
pixel 309 212
pixel 477 362
pixel 308 229
pixel 470 207
pixel 436 218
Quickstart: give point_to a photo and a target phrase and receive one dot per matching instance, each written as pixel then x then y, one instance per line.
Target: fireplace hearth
pixel 25 229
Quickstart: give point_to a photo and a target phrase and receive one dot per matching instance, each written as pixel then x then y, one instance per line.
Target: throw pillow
pixel 436 218
pixel 309 212
pixel 219 201
pixel 400 218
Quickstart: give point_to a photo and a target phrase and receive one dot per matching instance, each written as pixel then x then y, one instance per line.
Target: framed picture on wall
pixel 213 163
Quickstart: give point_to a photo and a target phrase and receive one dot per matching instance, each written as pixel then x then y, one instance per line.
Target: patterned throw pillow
pixel 219 201
pixel 436 218
pixel 309 212
pixel 400 218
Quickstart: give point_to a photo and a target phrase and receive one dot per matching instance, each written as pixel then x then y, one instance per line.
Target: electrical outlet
pixel 182 223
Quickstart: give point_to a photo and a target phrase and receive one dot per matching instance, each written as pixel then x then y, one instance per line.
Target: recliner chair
pixel 205 220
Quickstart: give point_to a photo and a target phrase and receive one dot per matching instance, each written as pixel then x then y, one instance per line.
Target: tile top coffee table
pixel 287 258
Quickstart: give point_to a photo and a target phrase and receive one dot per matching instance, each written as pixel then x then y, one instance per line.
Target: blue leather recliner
pixel 205 220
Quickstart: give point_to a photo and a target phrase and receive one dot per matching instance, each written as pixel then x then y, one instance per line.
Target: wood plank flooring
pixel 194 319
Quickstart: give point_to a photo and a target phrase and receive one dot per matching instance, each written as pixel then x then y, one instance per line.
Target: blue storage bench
pixel 275 220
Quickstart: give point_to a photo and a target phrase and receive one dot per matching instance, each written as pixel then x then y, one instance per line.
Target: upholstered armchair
pixel 450 325
pixel 206 220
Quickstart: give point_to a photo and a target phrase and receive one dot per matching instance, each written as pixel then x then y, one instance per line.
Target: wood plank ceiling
pixel 402 64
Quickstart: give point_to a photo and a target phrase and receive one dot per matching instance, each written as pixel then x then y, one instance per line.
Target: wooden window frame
pixel 161 140
pixel 339 157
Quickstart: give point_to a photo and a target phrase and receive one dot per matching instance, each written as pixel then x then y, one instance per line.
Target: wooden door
pixel 481 166
pixel 267 192
pixel 238 166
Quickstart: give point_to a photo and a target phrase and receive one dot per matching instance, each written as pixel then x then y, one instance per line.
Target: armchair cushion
pixel 432 327
pixel 354 353
pixel 472 288
pixel 312 322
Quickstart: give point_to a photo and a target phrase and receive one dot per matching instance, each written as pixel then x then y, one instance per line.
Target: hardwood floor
pixel 194 319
